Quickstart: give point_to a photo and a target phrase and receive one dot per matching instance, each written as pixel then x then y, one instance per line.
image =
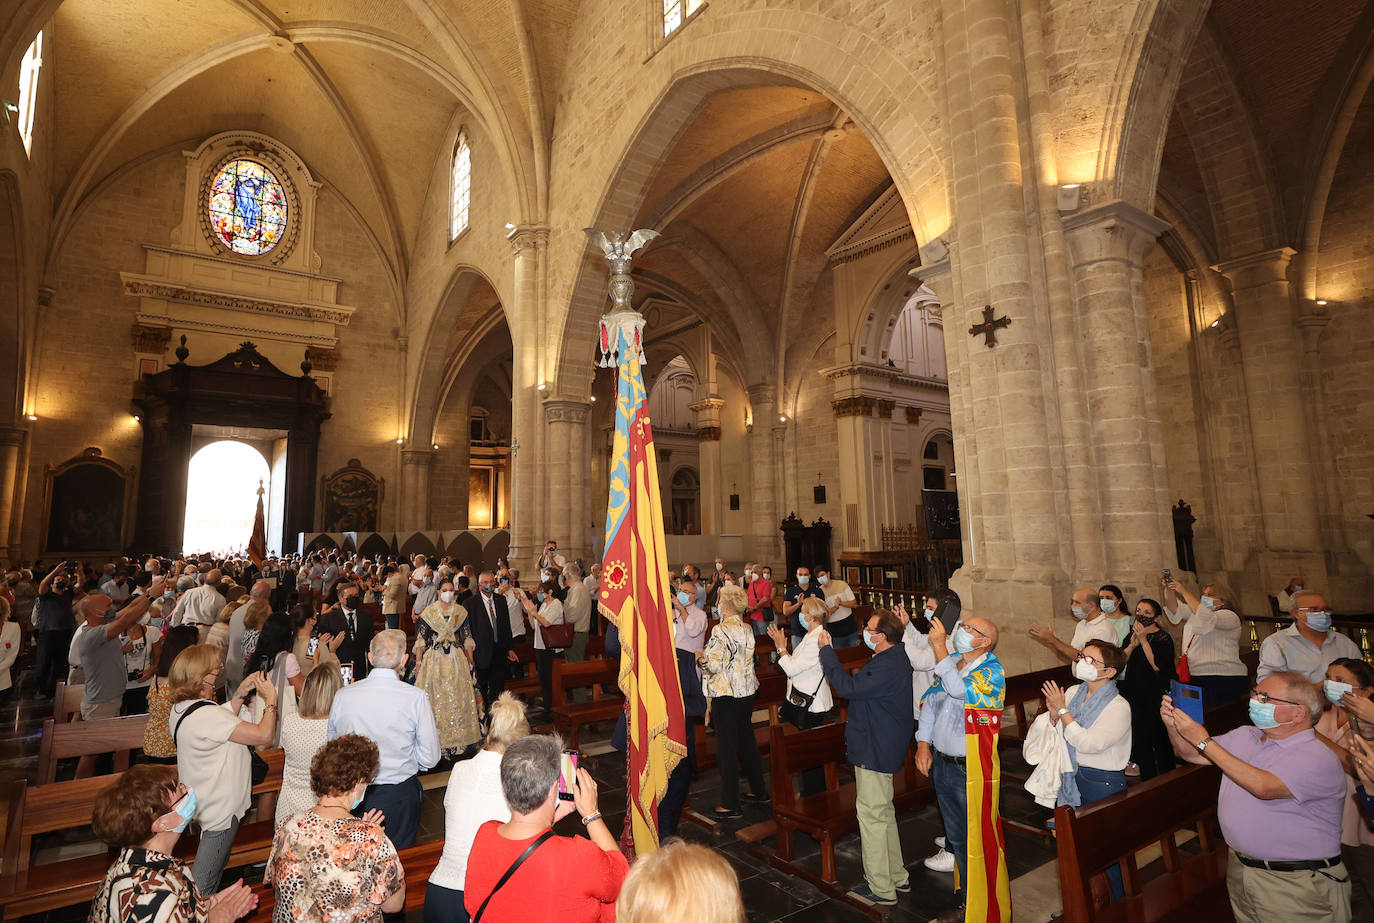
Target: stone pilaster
pixel 12 440
pixel 763 502
pixel 530 245
pixel 707 412
pixel 415 470
pixel 567 474
pixel 864 424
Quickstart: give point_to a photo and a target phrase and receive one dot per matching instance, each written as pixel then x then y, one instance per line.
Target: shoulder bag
pixel 559 635
pixel 796 708
pixel 258 765
pixel 529 851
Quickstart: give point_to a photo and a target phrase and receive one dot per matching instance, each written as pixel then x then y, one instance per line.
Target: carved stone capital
pixel 706 404
pixel 858 406
pixel 150 339
pixel 762 398
pixel 417 458
pixel 913 414
pixel 1264 268
pixel 12 435
pixel 45 296
pixel 885 409
pixel 565 411
pixel 708 434
pixel 1111 231
pixel 529 238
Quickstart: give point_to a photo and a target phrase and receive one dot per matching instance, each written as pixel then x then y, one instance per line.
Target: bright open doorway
pixel 222 498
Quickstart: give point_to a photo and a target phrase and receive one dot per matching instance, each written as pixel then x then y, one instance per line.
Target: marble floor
pixel 769 895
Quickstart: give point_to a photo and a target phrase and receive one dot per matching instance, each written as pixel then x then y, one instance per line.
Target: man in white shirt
pixel 840 603
pixel 577 609
pixel 200 606
pixel 1092 624
pixel 398 718
pixel 1309 645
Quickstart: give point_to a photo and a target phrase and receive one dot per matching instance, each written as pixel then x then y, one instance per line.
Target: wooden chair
pixel 570 716
pixel 66 702
pixel 1192 886
pixel 119 736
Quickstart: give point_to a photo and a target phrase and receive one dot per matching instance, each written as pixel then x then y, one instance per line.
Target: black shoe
pixel 727 814
pixel 903 889
pixel 750 798
pixel 864 893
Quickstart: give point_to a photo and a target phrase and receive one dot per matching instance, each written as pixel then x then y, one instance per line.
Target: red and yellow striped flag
pixel 635 592
pixel 257 544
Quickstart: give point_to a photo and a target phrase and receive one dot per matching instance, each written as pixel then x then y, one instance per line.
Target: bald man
pixel 1091 624
pixel 200 606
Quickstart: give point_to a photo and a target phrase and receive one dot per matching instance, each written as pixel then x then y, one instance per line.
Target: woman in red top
pixel 760 593
pixel 566 878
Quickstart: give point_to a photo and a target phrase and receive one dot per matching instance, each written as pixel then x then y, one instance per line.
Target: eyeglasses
pixel 1265 699
pixel 974 630
pixel 1084 655
pixel 1327 609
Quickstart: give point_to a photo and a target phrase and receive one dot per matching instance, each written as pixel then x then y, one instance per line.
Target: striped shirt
pixel 1211 639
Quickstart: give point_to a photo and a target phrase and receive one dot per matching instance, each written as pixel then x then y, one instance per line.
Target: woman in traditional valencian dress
pixel 443 645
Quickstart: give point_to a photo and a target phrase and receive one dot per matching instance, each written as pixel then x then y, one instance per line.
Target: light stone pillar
pixel 1312 326
pixel 763 502
pixel 1107 246
pixel 567 474
pixel 864 423
pixel 415 470
pixel 707 412
pixel 1271 364
pixel 530 246
pixel 11 451
pixel 461 454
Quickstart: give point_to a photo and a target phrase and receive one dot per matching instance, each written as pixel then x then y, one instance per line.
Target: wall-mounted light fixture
pixel 401 440
pixel 782 419
pixel 543 386
pixel 1070 197
pixel 32 418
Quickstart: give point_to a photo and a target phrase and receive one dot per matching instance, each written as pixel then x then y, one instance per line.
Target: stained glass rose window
pixel 247 207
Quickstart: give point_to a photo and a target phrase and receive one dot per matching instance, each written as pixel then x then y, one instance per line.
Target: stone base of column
pixel 1013 601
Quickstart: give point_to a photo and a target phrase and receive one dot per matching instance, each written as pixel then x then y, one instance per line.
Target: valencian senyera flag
pixel 257 545
pixel 987 893
pixel 635 592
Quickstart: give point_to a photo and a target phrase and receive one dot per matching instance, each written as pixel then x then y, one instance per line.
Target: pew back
pixel 66 702
pixel 119 736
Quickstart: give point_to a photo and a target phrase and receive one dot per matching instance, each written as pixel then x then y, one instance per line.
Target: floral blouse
pixel 727 665
pixel 157 736
pixel 144 886
pixel 336 869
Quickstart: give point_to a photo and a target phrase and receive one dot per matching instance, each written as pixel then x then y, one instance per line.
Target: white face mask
pixel 1085 671
pixel 446 596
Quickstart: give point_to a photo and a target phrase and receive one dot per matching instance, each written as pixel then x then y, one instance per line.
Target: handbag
pixel 257 765
pixel 1184 673
pixel 529 851
pixel 796 708
pixel 560 635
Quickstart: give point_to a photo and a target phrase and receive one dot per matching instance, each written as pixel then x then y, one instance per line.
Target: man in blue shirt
pixel 792 600
pixel 397 717
pixel 877 735
pixel 941 744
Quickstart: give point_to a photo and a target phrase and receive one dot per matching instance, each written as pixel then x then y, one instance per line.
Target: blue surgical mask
pixel 963 640
pixel 803 580
pixel 356 801
pixel 823 579
pixel 1262 714
pixel 539 596
pixel 1334 690
pixel 683 597
pixel 1107 605
pixel 1209 601
pixel 868 639
pixel 1319 621
pixel 1079 612
pixel 185 809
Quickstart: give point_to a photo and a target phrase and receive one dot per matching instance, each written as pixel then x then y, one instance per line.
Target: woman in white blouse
pixel 803 665
pixel 1211 640
pixel 304 730
pixel 473 797
pixel 9 646
pixel 544 610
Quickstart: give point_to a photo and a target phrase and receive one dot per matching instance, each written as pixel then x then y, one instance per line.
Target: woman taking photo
pixel 1149 671
pixel 727 673
pixel 328 865
pixel 158 746
pixel 544 610
pixel 443 651
pixel 143 815
pixel 212 752
pixel 1211 641
pixel 303 623
pixel 304 730
pixel 273 659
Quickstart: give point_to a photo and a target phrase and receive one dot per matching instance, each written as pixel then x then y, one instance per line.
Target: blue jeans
pixel 950 781
pixel 393 620
pixel 1094 785
pixel 760 627
pixel 444 905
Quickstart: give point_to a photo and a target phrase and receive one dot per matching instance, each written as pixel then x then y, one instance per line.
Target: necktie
pixel 491 613
pixel 352 626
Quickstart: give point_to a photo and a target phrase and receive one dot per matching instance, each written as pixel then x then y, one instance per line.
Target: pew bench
pixel 830 814
pixel 66 702
pixel 1107 832
pixel 527 686
pixel 27 888
pixel 418 861
pixel 119 736
pixel 569 716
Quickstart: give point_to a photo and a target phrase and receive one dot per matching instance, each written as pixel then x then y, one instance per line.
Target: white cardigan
pixel 804 671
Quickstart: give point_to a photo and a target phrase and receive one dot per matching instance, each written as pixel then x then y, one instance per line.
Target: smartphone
pixel 1168 575
pixel 347 670
pixel 1187 699
pixel 567 775
pixel 314 646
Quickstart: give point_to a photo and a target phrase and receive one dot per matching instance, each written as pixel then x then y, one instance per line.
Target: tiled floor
pixel 769 894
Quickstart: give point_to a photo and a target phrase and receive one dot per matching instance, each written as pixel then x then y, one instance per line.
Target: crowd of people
pixel 228 658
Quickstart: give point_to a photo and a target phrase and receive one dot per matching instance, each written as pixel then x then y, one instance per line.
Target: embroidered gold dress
pixel 446 674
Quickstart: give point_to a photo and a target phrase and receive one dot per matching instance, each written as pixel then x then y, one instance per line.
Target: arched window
pixel 461 180
pixel 28 90
pixel 675 12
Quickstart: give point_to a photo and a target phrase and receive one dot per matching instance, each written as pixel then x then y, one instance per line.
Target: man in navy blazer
pixel 877 735
pixel 490 622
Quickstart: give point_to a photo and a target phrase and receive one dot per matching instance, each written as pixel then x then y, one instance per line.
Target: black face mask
pixel 1146 621
pixel 350 602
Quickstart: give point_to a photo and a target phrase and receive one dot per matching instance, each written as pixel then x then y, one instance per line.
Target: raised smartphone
pixel 567 775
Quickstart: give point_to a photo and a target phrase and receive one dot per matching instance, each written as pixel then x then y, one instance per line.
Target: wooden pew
pixel 830 814
pixel 26 888
pixel 1024 689
pixel 570 716
pixel 66 702
pixel 418 861
pixel 1192 886
pixel 119 736
pixel 527 686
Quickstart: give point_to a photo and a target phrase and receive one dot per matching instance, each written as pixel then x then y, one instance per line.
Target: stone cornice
pixel 708 434
pixel 706 403
pixel 150 339
pixel 180 293
pixel 557 410
pixel 885 373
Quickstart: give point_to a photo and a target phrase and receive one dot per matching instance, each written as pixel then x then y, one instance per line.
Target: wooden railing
pixel 884 598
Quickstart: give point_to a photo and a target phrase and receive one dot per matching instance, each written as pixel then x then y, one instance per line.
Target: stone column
pixel 530 245
pixel 707 412
pixel 1271 361
pixel 665 488
pixel 1107 246
pixel 1312 326
pixel 460 455
pixel 763 501
pixel 567 473
pixel 415 468
pixel 11 450
pixel 864 423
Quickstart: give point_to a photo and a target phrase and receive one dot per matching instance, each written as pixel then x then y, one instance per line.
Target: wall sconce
pixel 1321 302
pixel 1070 197
pixel 401 441
pixel 782 419
pixel 137 418
pixel 593 398
pixel 32 418
pixel 435 446
pixel 543 386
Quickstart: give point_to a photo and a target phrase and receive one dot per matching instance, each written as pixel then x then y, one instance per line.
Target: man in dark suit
pixel 346 616
pixel 490 621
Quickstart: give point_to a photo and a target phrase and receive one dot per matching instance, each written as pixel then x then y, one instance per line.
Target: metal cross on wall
pixel 989 327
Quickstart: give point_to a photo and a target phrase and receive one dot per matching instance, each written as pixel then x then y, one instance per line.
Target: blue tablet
pixel 1187 699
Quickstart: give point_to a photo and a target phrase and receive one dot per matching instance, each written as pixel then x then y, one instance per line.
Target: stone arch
pixel 762 49
pixel 883 302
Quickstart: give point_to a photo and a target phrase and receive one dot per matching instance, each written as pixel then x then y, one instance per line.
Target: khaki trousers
pixel 1262 896
pixel 878 840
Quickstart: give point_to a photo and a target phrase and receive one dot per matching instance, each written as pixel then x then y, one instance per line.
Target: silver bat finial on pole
pixel 622 318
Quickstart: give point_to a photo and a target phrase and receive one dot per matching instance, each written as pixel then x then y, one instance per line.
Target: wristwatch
pixel 1202 744
pixel 1061 713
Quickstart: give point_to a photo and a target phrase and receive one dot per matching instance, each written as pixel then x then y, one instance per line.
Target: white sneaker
pixel 940 842
pixel 942 861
